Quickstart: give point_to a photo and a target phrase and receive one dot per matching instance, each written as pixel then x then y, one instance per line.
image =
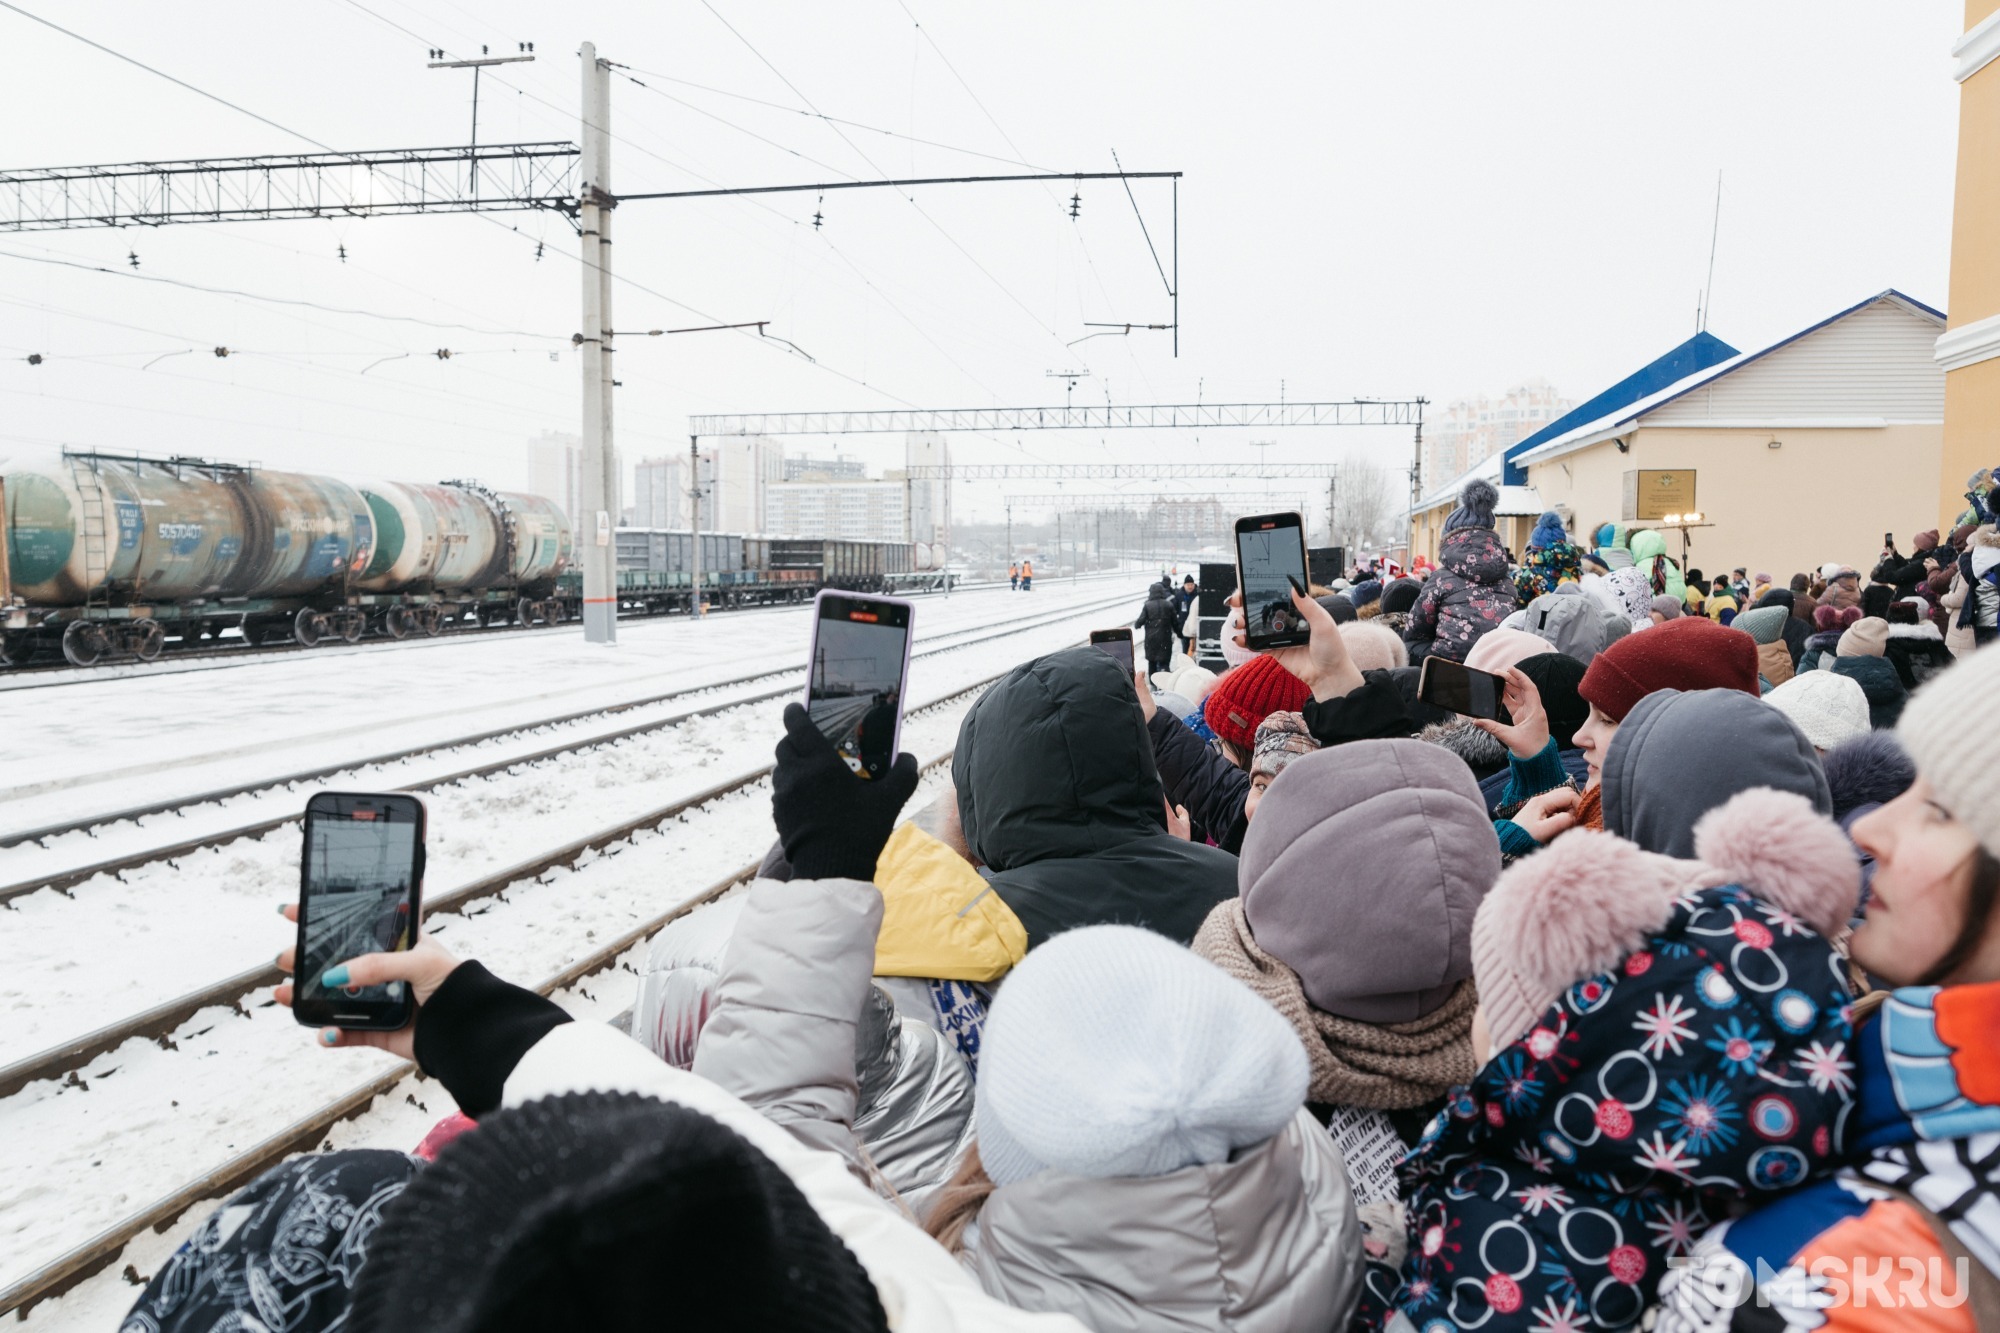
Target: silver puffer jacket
pixel 912 1107
pixel 1264 1243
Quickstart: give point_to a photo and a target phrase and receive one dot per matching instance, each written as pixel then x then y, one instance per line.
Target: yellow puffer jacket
pixel 939 918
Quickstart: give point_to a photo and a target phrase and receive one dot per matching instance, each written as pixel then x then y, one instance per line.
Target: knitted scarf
pixel 1590 810
pixel 1381 1067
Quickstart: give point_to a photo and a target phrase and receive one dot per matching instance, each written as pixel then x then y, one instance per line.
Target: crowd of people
pixel 1275 999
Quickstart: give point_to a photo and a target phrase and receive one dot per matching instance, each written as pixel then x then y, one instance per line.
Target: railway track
pixel 81 1262
pixel 963 639
pixel 228 653
pixel 159 1021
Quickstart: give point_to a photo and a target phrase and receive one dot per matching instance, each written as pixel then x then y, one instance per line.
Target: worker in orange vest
pixel 1027 576
pixel 1014 576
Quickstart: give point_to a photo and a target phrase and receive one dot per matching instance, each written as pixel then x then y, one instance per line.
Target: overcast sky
pixel 1379 201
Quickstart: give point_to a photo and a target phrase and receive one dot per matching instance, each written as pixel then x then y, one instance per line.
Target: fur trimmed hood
pixel 1592 899
pixel 1483 753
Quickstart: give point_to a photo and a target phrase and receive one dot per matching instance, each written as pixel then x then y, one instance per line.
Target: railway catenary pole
pixel 694 522
pixel 599 479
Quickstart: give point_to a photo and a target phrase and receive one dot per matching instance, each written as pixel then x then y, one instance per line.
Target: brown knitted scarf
pixel 1590 810
pixel 1381 1067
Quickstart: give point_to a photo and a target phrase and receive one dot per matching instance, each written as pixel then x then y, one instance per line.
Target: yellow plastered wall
pixel 1972 393
pixel 1824 495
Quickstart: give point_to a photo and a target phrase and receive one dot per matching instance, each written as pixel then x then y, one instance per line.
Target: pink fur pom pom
pixel 1573 910
pixel 1786 853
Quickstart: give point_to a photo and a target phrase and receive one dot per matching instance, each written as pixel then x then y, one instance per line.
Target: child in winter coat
pixel 1649 554
pixel 1471 593
pixel 1551 558
pixel 1667 1041
pixel 1905 1236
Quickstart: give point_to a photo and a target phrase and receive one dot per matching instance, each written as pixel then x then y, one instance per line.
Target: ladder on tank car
pixel 92 530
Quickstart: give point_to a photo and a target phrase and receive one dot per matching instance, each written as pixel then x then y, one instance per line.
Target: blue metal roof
pixel 1696 354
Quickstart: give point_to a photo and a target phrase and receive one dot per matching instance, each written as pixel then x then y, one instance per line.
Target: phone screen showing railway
pixel 357 898
pixel 856 694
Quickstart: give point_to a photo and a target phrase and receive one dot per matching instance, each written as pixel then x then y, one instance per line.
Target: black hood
pixel 1054 761
pixel 1679 755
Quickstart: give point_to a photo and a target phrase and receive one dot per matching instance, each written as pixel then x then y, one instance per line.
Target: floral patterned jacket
pixel 1472 592
pixel 1708 1067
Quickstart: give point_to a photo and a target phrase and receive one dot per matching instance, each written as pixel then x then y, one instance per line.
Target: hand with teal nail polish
pixel 424 967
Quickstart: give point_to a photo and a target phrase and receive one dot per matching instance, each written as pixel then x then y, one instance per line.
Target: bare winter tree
pixel 1361 505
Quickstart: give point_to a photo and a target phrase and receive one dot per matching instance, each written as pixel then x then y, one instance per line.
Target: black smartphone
pixel 1115 644
pixel 1888 541
pixel 1458 688
pixel 1270 564
pixel 360 891
pixel 860 662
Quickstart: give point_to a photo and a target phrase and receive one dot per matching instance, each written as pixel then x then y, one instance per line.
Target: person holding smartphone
pixel 603 1186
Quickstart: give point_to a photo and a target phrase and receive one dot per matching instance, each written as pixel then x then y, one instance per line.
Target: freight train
pixel 108 557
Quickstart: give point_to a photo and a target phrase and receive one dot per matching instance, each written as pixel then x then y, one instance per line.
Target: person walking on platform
pixel 1027 576
pixel 1158 620
pixel 1184 602
pixel 1014 576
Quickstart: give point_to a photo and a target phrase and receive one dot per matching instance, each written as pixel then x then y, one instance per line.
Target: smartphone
pixel 860 662
pixel 1115 644
pixel 360 891
pixel 1270 564
pixel 1458 688
pixel 1888 541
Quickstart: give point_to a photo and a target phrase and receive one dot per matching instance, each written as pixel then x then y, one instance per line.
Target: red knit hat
pixel 1692 653
pixel 1246 695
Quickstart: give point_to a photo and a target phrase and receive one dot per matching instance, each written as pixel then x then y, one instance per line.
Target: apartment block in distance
pixel 1472 430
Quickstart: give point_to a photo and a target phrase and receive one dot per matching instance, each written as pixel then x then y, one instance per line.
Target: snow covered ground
pixel 142 1120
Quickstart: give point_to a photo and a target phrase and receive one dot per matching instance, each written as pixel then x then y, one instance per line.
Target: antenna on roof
pixel 1715 233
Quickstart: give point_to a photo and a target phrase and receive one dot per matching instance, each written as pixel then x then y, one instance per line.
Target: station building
pixel 1800 453
pixel 1969 351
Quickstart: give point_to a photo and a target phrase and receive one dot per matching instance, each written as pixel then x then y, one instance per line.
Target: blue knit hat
pixel 1364 592
pixel 1476 503
pixel 1548 531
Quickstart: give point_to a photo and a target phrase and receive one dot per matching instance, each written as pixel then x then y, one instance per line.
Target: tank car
pixel 110 554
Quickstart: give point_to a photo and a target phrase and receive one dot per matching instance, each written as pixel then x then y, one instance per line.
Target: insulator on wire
pixel 1075 206
pixel 133 256
pixel 444 354
pixel 221 352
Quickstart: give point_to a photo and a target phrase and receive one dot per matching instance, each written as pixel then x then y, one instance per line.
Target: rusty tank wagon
pixel 109 556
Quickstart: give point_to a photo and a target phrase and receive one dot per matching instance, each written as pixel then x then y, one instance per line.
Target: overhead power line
pixel 899 184
pixel 136 276
pixel 160 73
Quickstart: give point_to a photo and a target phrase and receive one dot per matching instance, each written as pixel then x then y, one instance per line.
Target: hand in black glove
pixel 832 822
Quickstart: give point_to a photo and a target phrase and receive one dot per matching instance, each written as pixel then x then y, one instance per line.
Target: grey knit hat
pixel 1766 624
pixel 1941 728
pixel 1476 502
pixel 1362 872
pixel 1112 1051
